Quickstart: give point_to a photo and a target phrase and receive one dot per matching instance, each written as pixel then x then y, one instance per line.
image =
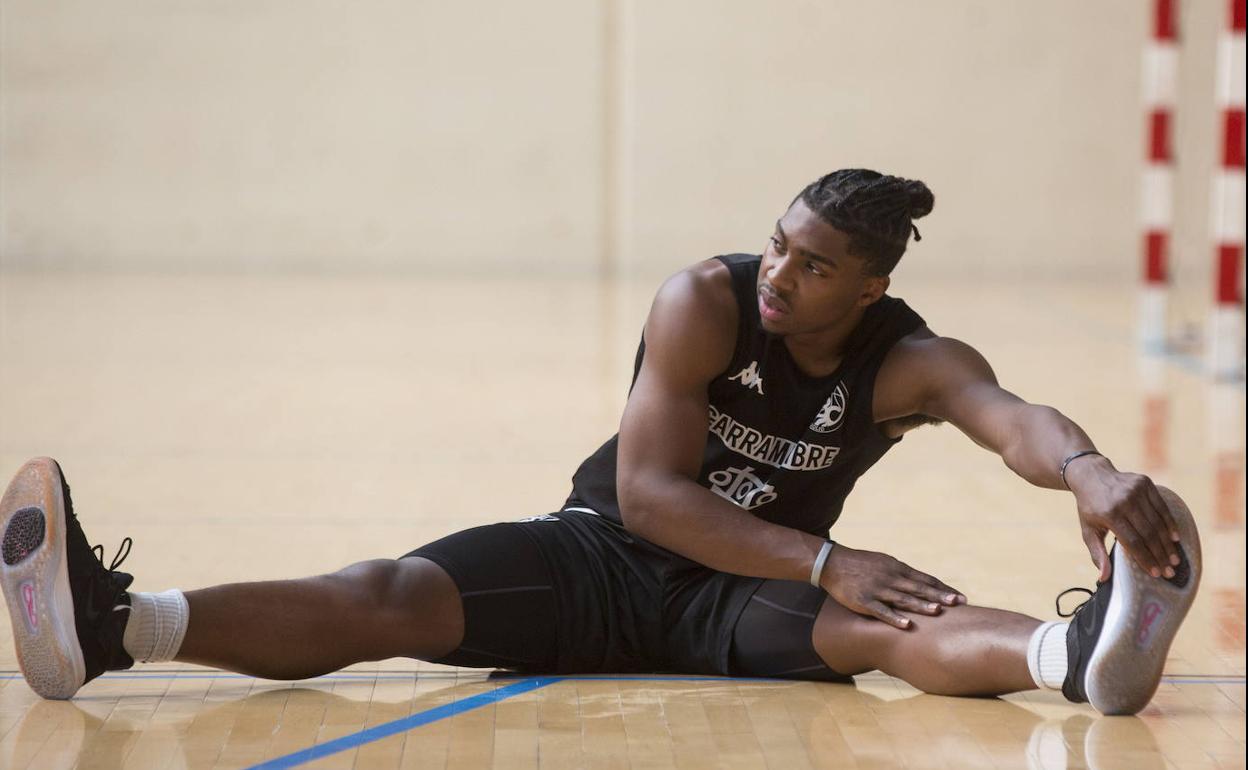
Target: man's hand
pixel 1128 505
pixel 878 585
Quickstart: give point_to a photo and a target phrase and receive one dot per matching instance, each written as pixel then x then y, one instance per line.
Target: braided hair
pixel 875 210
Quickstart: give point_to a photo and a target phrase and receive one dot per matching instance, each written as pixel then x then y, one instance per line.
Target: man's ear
pixel 873 289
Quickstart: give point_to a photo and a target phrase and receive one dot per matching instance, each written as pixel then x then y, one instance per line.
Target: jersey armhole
pixel 913 323
pixel 737 270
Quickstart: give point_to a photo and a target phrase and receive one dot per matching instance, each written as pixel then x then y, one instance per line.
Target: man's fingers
pixel 1145 544
pixel 1095 541
pixel 948 595
pixel 1149 552
pixel 907 601
pixel 1160 529
pixel 1136 546
pixel 1167 519
pixel 887 614
pixel 922 591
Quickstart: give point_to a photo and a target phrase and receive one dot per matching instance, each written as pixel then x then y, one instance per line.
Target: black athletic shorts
pixel 572 592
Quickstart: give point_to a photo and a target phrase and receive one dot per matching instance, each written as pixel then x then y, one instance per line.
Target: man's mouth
pixel 770 306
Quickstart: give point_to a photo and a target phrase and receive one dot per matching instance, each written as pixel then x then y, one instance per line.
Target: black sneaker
pixel 68 610
pixel 1117 641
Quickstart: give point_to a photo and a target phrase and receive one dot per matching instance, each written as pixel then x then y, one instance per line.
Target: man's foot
pixel 1117 641
pixel 68 611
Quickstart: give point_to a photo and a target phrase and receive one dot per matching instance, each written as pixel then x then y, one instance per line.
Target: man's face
pixel 808 281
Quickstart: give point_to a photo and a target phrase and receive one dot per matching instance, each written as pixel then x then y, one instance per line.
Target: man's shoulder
pixel 919 362
pixel 704 288
pixel 923 347
pixel 923 352
pixel 715 273
pixel 692 327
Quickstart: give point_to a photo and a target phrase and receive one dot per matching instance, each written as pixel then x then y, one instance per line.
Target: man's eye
pixel 812 267
pixel 776 242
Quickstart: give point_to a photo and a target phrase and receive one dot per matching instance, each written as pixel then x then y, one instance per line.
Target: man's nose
pixel 780 273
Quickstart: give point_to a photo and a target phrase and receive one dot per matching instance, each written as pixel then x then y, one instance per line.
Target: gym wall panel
pixel 1021 117
pixel 287 134
pixel 494 136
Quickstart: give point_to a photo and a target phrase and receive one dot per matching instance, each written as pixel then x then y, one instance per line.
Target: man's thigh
pixel 559 593
pixel 507 594
pixel 787 630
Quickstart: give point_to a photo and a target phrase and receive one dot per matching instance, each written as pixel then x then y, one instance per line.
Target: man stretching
pixel 695 540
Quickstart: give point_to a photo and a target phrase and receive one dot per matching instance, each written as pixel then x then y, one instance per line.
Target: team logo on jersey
pixel 750 377
pixel 832 412
pixel 741 486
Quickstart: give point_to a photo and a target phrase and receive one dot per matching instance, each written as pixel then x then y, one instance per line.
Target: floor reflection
pixel 998 733
pixel 833 723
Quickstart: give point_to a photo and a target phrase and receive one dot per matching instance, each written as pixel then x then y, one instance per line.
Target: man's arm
pixel 949 380
pixel 690 335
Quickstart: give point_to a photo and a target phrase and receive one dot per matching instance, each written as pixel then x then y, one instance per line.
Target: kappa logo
pixel 750 377
pixel 741 486
pixel 832 412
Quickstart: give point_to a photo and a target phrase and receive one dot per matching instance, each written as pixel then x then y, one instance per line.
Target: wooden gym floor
pixel 272 426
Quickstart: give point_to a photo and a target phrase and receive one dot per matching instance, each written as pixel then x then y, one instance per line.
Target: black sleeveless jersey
pixel 783 445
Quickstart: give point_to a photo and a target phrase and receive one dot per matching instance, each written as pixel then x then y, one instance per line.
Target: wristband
pixel 820 560
pixel 1062 470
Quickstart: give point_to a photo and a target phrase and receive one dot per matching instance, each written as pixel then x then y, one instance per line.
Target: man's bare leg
pixel 965 650
pixel 294 629
pixel 1117 640
pixel 74 618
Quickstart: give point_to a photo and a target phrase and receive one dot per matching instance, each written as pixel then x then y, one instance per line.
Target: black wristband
pixel 1062 470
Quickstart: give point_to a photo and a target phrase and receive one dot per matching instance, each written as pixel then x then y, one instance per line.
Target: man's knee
pixel 850 643
pixel 412 589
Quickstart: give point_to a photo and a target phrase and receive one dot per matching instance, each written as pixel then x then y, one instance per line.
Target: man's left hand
pixel 1129 505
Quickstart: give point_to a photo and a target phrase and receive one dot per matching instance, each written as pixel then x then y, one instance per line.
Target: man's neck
pixel 819 353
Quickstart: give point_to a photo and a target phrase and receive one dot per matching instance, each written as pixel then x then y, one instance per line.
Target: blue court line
pixel 418 719
pixel 1200 680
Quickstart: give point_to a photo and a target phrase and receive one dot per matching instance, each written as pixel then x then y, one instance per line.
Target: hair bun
pixel 921 199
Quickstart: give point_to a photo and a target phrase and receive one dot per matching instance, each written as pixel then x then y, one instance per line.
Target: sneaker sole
pixel 1143 616
pixel 35 577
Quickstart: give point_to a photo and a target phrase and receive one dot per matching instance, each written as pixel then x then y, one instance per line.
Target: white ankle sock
pixel 1046 655
pixel 156 626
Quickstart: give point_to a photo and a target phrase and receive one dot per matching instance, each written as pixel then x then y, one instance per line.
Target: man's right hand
pixel 877 585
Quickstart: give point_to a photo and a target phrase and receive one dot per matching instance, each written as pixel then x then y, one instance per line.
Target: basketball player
pixel 696 539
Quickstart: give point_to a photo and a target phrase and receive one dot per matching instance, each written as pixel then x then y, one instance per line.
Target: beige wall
pixel 493 136
pixel 300 134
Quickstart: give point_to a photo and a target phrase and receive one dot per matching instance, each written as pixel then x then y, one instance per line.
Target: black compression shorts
pixel 572 592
